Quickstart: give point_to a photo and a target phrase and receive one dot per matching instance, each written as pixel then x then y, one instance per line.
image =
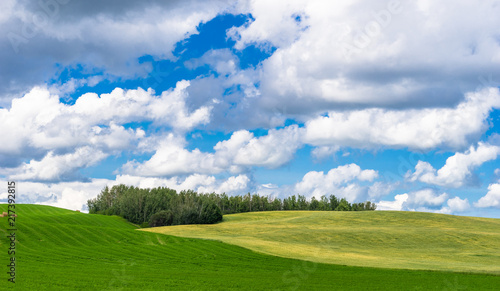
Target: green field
pixel 389 239
pixel 59 249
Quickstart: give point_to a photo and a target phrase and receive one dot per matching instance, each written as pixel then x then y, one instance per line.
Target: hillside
pixel 58 249
pixel 408 240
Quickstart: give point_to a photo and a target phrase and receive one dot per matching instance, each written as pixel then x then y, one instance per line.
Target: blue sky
pixel 393 102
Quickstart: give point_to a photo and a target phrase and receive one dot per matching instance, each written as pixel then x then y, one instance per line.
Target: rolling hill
pixel 59 249
pixel 389 239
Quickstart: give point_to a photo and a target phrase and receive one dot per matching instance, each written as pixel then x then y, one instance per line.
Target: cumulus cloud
pixel 417 129
pixel 42 121
pixel 70 86
pixel 168 109
pixel 171 158
pixel 233 185
pixel 491 199
pixel 272 150
pixel 352 54
pixel 458 168
pixel 58 167
pixel 397 204
pixel 339 181
pixel 278 29
pixel 426 200
pixel 419 200
pixel 458 205
pixel 94 34
pixel 235 95
pixel 324 152
pixel 42 129
pixel 222 61
pixel 241 151
pixel 69 195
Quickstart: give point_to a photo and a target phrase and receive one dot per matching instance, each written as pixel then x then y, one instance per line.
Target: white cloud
pixel 457 168
pixel 236 154
pixel 421 199
pixel 233 185
pixel 338 181
pixel 171 158
pixel 379 189
pixel 223 61
pixel 168 109
pixel 324 152
pixel 426 200
pixel 38 125
pixel 71 199
pixel 69 195
pixel 458 205
pixel 491 199
pixel 96 35
pixel 397 204
pixel 274 23
pixel 350 53
pixel 416 129
pixel 227 150
pixel 171 109
pixel 55 167
pixel 70 86
pixel 40 120
pixel 272 150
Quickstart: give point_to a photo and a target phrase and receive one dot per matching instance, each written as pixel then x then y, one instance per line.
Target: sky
pixel 394 102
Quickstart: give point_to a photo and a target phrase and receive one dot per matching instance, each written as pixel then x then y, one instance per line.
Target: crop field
pixel 58 249
pixel 408 240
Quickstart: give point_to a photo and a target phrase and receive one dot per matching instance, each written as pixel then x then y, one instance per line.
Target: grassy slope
pixel 64 250
pixel 408 240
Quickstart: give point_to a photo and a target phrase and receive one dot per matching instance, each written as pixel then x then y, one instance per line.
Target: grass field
pixel 58 249
pixel 409 240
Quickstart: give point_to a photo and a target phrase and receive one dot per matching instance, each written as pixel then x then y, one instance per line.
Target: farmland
pixel 407 240
pixel 59 249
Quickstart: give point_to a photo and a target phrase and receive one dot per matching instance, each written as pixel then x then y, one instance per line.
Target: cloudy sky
pixel 396 102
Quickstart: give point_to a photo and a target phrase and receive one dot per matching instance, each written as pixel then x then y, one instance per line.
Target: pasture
pixel 389 239
pixel 58 249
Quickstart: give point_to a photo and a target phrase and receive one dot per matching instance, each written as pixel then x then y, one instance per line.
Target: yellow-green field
pixel 59 249
pixel 388 239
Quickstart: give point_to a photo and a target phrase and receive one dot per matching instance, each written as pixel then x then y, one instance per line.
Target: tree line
pixel 164 206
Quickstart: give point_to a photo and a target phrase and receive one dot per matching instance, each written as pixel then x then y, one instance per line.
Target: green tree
pixel 287 203
pixel 225 203
pixel 334 202
pixel 161 218
pixel 343 205
pixel 324 203
pixel 276 204
pixel 302 203
pixel 293 203
pixel 210 213
pixel 256 204
pixel 246 203
pixel 314 205
pixel 370 206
